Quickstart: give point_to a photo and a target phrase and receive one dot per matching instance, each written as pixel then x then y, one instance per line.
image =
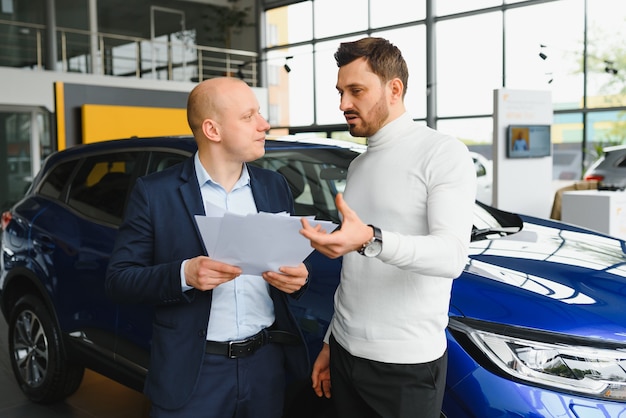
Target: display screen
pixel 528 141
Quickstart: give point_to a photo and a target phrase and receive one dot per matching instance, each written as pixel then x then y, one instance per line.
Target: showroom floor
pixel 97 397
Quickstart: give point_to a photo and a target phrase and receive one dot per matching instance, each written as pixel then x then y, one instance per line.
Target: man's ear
pixel 211 130
pixel 397 88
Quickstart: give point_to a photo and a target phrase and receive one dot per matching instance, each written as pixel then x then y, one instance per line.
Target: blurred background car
pixel 484 177
pixel 536 319
pixel 610 169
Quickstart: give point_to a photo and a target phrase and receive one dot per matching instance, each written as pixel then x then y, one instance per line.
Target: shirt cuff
pixel 183 282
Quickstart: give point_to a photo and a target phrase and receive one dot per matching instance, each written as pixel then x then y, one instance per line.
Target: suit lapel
pixel 191 196
pixel 259 191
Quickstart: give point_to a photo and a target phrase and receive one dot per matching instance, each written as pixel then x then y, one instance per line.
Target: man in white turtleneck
pixel 406 222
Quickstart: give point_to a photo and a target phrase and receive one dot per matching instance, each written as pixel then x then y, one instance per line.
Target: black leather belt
pixel 243 348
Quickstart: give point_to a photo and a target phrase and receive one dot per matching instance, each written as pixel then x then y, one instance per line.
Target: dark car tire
pixel 37 359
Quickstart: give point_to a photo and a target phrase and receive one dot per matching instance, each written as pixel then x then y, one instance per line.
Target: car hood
pixel 549 277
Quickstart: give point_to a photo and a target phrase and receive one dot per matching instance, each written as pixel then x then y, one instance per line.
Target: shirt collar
pixel 204 177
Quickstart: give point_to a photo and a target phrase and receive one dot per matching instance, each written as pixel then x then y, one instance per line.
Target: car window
pixel 101 185
pixel 160 160
pixel 621 163
pixel 314 175
pixel 55 182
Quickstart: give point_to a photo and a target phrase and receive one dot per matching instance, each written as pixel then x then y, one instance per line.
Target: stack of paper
pixel 257 242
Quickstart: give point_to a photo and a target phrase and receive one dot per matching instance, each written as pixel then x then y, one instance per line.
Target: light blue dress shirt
pixel 241 307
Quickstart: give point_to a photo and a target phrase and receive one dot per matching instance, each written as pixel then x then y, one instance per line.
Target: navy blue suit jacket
pixel 158 233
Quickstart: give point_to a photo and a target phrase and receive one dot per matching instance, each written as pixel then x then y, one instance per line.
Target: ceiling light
pixel 609 69
pixel 286 66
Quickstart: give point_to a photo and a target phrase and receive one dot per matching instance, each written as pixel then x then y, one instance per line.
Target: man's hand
pixel 204 273
pixel 288 279
pixel 350 237
pixel 321 373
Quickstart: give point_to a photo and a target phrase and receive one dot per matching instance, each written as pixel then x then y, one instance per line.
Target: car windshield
pixel 490 222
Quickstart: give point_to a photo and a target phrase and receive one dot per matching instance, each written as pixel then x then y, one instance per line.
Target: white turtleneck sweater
pixel 418 186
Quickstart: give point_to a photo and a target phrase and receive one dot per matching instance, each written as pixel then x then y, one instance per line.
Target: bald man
pixel 222 341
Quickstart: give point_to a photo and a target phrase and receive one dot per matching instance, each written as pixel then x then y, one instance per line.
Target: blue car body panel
pixel 548 277
pixel 568 282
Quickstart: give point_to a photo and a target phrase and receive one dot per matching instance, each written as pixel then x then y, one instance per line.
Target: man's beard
pixel 378 115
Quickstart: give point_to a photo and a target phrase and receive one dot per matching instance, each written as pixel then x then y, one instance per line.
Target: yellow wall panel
pixel 102 122
pixel 59 96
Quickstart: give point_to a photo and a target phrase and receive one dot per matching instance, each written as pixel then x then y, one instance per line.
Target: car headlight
pixel 541 358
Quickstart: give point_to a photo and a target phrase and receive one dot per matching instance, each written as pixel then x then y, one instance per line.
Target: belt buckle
pixel 230 348
pixel 251 340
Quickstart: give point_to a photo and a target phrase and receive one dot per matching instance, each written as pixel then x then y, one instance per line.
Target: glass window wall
pixel 334 17
pixel 548 57
pixel 469 64
pixel 567 138
pixel 292 89
pixel 561 46
pixel 385 12
pixel 606 53
pixel 289 24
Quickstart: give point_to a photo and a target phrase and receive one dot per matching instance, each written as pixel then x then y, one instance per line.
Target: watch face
pixel 373 249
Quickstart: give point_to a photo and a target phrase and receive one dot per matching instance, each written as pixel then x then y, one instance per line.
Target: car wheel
pixel 37 358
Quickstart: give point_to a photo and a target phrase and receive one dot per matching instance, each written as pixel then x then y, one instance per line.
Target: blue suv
pixel 537 325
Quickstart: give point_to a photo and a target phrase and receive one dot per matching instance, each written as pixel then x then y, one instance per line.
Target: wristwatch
pixel 374 246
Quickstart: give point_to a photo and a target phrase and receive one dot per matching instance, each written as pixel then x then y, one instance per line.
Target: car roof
pixel 188 144
pixel 316 140
pixel 178 142
pixel 614 148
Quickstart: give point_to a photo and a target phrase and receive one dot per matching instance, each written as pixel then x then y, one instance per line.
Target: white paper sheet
pixel 257 242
